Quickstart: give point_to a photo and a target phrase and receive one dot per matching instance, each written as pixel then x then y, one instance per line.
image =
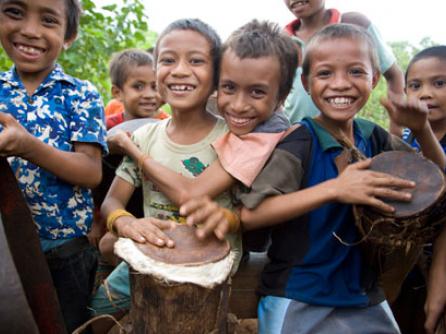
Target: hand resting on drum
pixel 145 230
pixel 358 185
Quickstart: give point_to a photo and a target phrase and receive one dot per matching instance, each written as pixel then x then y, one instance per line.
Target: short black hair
pixel 122 61
pixel 203 29
pixel 340 31
pixel 258 39
pixel 73 10
pixel 438 51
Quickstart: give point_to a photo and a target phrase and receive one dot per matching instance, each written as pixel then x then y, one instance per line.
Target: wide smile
pixel 298 4
pixel 239 122
pixel 150 107
pixel 181 88
pixel 29 51
pixel 340 102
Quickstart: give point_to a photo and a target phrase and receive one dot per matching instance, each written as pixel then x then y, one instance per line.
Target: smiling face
pixel 426 81
pixel 247 91
pixel 341 78
pixel 305 8
pixel 32 34
pixel 184 69
pixel 138 93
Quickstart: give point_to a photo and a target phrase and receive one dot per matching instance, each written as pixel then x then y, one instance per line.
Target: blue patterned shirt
pixel 63 110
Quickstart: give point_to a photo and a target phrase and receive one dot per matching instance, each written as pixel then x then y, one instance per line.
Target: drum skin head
pixel 130 126
pixel 188 250
pixel 428 177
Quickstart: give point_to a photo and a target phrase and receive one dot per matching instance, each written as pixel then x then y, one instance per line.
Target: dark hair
pixel 122 61
pixel 73 12
pixel 203 29
pixel 264 39
pixel 438 51
pixel 340 31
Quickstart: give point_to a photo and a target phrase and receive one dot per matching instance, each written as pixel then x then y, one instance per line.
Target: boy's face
pixel 184 70
pixel 138 93
pixel 304 8
pixel 341 78
pixel 247 91
pixel 32 34
pixel 426 81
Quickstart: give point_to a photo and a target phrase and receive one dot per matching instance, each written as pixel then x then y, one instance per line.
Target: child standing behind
pixel 426 82
pixel 134 85
pixel 312 16
pixel 52 128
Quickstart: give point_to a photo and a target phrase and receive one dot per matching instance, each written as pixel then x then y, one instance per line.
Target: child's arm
pixel 412 114
pixel 436 292
pixel 128 226
pixel 81 167
pixel 356 185
pixel 178 188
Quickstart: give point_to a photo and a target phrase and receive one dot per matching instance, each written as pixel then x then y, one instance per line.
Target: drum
pixel 394 242
pixel 413 223
pixel 182 289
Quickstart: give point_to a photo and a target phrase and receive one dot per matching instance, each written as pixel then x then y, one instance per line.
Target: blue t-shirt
pixel 63 110
pixel 313 258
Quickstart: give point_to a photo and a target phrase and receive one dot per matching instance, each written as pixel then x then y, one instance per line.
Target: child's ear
pixel 116 92
pixel 67 43
pixel 375 78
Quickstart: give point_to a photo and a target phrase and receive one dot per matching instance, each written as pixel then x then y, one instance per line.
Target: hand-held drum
pixel 182 289
pixel 394 242
pixel 413 223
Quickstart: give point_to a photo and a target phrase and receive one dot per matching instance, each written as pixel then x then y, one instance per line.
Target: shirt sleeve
pixel 282 174
pixel 385 54
pixel 87 121
pixel 128 170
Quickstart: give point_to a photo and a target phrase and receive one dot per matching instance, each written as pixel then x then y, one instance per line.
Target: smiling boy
pixel 52 129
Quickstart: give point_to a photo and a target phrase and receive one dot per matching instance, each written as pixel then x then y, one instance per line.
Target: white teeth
pixel 29 49
pixel 239 120
pixel 181 88
pixel 340 100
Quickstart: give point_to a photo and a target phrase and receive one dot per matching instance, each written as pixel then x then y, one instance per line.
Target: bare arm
pixel 81 167
pixel 140 230
pixel 178 188
pixel 436 293
pixel 395 87
pixel 356 185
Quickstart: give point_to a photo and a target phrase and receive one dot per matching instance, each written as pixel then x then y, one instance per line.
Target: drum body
pixel 393 243
pixel 184 289
pixel 416 222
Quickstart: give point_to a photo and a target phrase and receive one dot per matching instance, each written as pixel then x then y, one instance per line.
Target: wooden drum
pixel 394 242
pixel 413 223
pixel 182 289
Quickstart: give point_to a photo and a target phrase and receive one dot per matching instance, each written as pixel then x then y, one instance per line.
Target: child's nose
pixel 424 93
pixel 238 104
pixel 30 27
pixel 341 81
pixel 182 68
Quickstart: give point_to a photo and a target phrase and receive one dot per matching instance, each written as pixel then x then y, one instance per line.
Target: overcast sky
pixel 396 19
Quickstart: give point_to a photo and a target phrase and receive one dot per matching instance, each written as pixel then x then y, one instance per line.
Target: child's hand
pixel 406 112
pixel 146 230
pixel 206 214
pixel 119 142
pixel 358 185
pixel 15 140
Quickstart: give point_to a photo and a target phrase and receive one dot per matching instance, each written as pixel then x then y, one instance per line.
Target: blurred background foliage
pixel 108 29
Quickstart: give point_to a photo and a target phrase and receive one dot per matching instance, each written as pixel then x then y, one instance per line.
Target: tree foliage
pixel 103 31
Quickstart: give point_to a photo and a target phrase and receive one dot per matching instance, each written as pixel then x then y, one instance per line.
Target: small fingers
pixel 193 205
pixel 392 194
pixel 380 205
pixel 213 224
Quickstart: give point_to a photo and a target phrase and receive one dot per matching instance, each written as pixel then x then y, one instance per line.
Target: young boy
pixel 133 84
pixel 52 129
pixel 426 82
pixel 314 283
pixel 311 16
